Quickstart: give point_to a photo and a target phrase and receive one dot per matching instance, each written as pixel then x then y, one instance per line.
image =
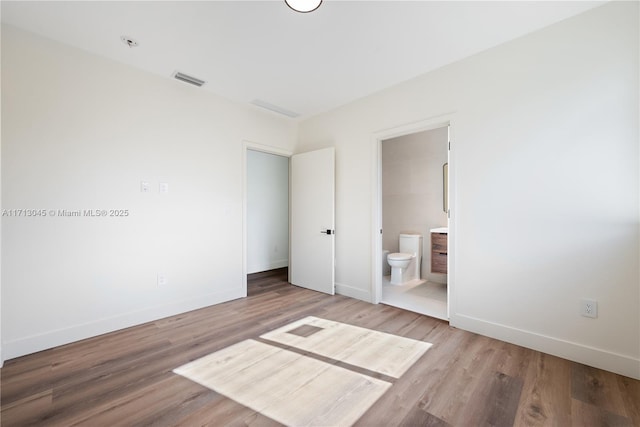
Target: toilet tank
pixel 411 244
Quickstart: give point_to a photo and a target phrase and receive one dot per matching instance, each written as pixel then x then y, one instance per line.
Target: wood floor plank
pixel 418 417
pixel 177 409
pixel 126 378
pixel 421 384
pixel 514 360
pixel 256 420
pixel 586 415
pixel 596 387
pixel 134 408
pixel 499 402
pixel 474 368
pixel 24 411
pixel 24 383
pixel 546 393
pixel 223 412
pixel 630 391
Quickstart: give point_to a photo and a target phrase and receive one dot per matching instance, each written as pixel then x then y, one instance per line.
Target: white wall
pixel 267 211
pixel 544 165
pixel 82 132
pixel 1 339
pixel 412 191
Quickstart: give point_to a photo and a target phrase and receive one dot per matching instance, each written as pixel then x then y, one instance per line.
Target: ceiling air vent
pixel 274 108
pixel 188 79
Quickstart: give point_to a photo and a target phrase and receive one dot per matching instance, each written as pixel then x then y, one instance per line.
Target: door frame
pixel 254 146
pixel 431 123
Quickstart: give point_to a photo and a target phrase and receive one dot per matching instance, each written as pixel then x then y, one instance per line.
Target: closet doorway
pixel 267 211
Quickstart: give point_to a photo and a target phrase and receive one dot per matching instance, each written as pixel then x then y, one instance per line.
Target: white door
pixel 311 263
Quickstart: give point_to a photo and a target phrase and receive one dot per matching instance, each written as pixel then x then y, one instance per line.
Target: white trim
pixel 376 208
pixel 598 358
pixel 376 221
pixel 50 339
pixel 452 297
pixel 250 145
pixel 2 353
pixel 255 146
pixel 353 292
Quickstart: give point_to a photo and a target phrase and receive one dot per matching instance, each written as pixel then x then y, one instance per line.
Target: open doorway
pixel 272 242
pixel 408 182
pixel 415 222
pixel 266 210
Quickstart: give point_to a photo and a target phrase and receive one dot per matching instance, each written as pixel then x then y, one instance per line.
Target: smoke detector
pixel 129 41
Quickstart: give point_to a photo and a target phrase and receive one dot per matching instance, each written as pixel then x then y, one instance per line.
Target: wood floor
pixel 125 378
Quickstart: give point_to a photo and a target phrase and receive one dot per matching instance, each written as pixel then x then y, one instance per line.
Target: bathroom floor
pixel 420 296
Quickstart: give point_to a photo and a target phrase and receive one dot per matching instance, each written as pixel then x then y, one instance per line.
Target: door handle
pixel 327 232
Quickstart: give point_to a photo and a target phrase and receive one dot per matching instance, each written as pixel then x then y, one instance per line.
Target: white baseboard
pixel 50 339
pixel 268 266
pixel 350 291
pixel 598 358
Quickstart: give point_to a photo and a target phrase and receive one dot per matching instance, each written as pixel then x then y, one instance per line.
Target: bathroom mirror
pixel 445 187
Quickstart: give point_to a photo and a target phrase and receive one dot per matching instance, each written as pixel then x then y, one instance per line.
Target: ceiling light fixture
pixel 303 6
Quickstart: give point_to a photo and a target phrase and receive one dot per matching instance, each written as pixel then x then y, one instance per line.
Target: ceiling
pixel 303 63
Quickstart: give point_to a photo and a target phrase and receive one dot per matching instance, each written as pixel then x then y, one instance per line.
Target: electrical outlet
pixel 589 308
pixel 162 279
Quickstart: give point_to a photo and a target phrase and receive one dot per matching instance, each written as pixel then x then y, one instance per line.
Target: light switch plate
pixel 162 279
pixel 164 187
pixel 145 187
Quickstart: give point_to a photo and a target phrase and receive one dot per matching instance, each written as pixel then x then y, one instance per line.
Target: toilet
pixel 405 265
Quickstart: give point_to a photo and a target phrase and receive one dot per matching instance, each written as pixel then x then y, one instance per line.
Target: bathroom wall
pixel 412 190
pixel 267 211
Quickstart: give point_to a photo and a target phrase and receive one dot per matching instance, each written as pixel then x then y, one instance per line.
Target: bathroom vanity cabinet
pixel 439 252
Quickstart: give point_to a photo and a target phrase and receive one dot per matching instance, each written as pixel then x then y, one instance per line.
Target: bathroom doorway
pixel 413 195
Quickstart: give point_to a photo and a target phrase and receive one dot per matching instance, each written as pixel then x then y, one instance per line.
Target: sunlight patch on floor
pixel 376 351
pixel 308 376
